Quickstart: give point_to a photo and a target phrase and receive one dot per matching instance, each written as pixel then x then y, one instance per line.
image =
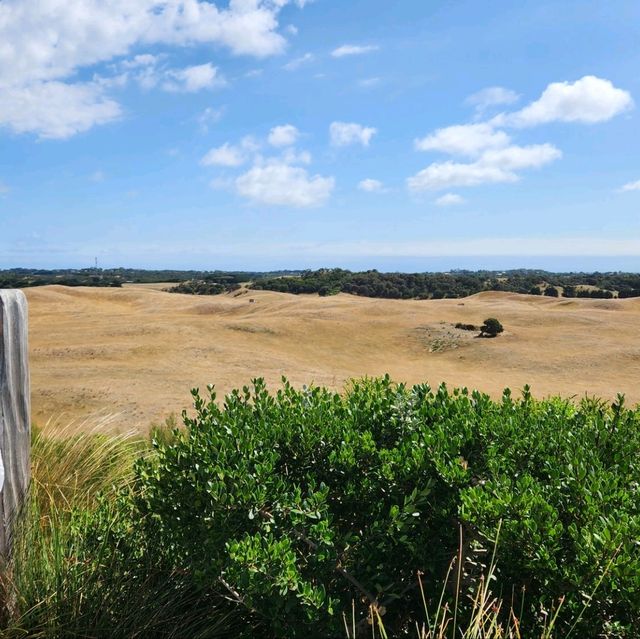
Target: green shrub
pixel 297 504
pixel 491 328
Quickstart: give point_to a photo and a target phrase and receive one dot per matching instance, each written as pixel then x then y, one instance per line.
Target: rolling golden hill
pixel 135 352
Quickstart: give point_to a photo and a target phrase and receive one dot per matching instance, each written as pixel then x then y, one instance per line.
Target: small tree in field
pixel 491 328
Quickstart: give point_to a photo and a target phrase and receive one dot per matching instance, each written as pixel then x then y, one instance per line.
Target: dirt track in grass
pixel 135 352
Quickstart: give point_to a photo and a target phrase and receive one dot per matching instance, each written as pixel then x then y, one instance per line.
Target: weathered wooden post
pixel 15 414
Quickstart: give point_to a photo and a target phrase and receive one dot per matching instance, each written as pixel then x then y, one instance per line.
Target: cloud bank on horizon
pixel 277 104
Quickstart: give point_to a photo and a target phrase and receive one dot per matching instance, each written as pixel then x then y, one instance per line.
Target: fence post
pixel 15 414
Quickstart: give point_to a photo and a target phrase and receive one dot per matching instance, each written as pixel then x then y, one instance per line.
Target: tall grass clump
pixel 64 579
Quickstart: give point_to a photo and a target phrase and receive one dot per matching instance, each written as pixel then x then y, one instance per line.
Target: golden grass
pixel 137 351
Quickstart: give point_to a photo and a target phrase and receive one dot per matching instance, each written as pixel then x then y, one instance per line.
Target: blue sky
pixel 264 134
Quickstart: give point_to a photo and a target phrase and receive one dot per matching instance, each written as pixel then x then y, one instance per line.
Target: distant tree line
pixel 326 281
pixel 454 284
pixel 25 277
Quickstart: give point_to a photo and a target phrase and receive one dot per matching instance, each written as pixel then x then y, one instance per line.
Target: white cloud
pixel 444 175
pixel 284 135
pixel 142 60
pixel 631 186
pixel 346 133
pixel 291 156
pixel 368 83
pixel 463 139
pixel 588 100
pixel 44 44
pixel 353 49
pixel 97 176
pixel 4 189
pixel 514 158
pixel 370 185
pixel 292 29
pixel 55 109
pixel 450 199
pixel 279 183
pixel 225 155
pixel 193 79
pixel 209 116
pixel 490 97
pixel 50 40
pixel 492 167
pixel 296 63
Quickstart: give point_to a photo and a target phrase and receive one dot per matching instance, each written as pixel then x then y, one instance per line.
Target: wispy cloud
pixel 371 186
pixel 491 97
pixel 208 117
pixel 631 186
pixel 368 83
pixel 353 49
pixel 193 79
pixel 296 63
pixel 450 199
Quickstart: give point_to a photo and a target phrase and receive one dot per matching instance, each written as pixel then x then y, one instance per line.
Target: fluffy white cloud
pixel 370 185
pixel 588 100
pixel 193 79
pixel 353 49
pixel 225 155
pixel 346 133
pixel 55 109
pixel 631 186
pixel 296 63
pixel 444 175
pixel 43 44
pixel 514 158
pixel 284 135
pixel 493 166
pixel 463 139
pixel 279 183
pixel 50 40
pixel 450 199
pixel 490 97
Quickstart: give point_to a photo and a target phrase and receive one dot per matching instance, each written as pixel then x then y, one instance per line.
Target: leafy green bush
pixel 299 503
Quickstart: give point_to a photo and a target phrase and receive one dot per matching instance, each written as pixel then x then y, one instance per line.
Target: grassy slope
pixel 135 351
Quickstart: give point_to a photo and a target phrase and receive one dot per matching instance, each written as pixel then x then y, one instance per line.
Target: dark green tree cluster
pixel 203 287
pixel 491 327
pixel 454 284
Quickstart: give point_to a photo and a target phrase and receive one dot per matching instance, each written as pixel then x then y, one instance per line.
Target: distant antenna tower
pixel 96 263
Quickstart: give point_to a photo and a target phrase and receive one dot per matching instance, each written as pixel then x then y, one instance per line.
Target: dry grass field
pixel 135 352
